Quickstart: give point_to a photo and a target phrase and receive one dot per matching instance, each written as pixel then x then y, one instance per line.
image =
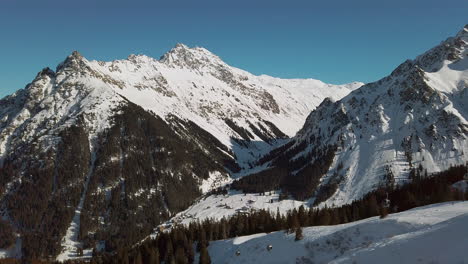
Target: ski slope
pixel 432 234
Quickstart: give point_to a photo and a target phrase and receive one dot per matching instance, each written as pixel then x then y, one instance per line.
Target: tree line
pixel 177 244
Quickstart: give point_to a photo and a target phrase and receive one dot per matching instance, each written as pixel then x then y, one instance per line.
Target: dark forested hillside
pixel 132 180
pixel 142 168
pixel 298 177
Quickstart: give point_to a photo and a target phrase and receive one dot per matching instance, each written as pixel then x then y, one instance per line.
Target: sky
pixel 333 41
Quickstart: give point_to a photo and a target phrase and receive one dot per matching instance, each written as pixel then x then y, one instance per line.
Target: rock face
pixel 96 154
pixel 413 121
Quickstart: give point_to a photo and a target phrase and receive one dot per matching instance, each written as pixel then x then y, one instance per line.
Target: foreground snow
pixel 431 234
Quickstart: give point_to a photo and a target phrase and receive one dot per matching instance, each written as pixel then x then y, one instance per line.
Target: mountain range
pixel 95 155
pixel 384 133
pixel 93 146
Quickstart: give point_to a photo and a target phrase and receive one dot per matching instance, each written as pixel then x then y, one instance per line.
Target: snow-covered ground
pixel 219 206
pixel 432 234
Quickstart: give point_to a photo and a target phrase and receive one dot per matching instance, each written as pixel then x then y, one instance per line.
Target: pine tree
pixel 204 256
pixel 153 257
pixel 169 250
pixel 383 212
pixel 294 221
pixel 279 220
pixel 373 207
pixel 302 216
pixel 223 234
pixel 138 259
pixel 324 217
pixel 202 242
pixel 190 252
pixel 180 257
pixel 299 235
pixel 125 258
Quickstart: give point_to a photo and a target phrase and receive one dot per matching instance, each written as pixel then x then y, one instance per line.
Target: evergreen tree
pixel 373 207
pixel 204 256
pixel 223 234
pixel 153 257
pixel 302 216
pixel 180 257
pixel 190 252
pixel 138 259
pixel 383 212
pixel 279 220
pixel 324 217
pixel 299 235
pixel 169 251
pixel 201 239
pixel 125 259
pixel 294 222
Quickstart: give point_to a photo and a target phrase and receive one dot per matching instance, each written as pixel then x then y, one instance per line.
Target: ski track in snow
pixel 70 242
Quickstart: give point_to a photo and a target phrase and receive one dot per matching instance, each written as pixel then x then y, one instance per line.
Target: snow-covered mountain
pixel 429 234
pixel 415 118
pixel 93 146
pixel 229 103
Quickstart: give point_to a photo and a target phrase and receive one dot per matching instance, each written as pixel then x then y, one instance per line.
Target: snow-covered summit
pixel 194 58
pixel 190 83
pixel 453 49
pixel 414 118
pixel 195 84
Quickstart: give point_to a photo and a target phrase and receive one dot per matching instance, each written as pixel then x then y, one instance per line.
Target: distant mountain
pixel 96 154
pixel 412 122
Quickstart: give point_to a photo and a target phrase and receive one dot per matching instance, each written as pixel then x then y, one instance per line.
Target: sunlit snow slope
pixel 195 84
pixel 415 117
pixel 431 234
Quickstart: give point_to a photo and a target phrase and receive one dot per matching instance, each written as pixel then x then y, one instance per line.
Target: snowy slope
pixel 219 206
pixel 191 83
pixel 247 114
pixel 415 117
pixel 431 234
pixel 195 84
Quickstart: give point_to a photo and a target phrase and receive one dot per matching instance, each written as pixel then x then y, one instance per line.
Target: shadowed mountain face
pixel 380 134
pixel 96 154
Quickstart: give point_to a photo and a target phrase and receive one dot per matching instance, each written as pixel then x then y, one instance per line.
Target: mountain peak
pixel 183 56
pixel 181 46
pixel 452 49
pixel 76 54
pixel 45 72
pixel 463 32
pixel 74 60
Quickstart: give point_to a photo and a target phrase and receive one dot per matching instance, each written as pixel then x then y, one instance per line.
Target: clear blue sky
pixel 334 41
